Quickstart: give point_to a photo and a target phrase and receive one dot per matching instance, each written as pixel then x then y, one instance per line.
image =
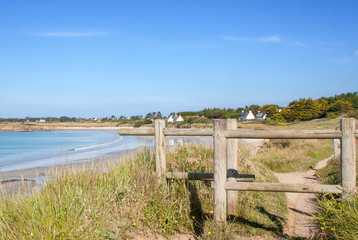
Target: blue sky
pixel 102 58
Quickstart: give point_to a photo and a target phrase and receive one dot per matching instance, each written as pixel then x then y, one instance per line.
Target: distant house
pixel 169 119
pixel 42 120
pixel 262 115
pixel 174 119
pixel 178 119
pixel 247 115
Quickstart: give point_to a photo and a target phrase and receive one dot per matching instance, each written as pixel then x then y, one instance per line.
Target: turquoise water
pixel 21 150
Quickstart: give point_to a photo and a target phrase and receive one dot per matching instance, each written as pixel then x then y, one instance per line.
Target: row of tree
pixel 307 108
pixel 302 109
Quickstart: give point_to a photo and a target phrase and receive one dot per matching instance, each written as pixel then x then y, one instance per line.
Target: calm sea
pixel 21 150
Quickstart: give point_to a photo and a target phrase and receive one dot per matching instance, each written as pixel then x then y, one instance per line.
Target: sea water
pixel 22 150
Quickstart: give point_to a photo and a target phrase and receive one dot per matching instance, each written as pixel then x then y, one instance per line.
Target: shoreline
pixel 22 180
pixel 16 181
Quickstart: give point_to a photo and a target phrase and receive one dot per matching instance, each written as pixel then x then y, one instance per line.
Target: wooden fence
pixel 226 179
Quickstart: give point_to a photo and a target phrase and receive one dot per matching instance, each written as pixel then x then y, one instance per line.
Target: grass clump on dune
pixel 337 219
pixel 127 201
pixel 294 155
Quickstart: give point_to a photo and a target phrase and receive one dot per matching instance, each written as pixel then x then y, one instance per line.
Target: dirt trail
pixel 301 205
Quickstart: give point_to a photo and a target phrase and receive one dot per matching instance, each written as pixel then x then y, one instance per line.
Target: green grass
pixel 322 123
pixel 127 201
pixel 294 155
pixel 331 173
pixel 337 219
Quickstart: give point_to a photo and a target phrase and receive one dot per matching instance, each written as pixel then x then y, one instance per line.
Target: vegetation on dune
pixel 127 200
pixel 337 219
pixel 294 155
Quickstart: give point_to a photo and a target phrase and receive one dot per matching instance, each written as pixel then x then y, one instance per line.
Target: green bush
pixel 268 121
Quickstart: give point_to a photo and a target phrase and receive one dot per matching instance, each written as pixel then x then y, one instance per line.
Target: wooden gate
pixel 226 179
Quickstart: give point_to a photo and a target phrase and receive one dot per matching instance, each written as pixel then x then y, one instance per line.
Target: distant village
pixel 345 104
pixel 173 118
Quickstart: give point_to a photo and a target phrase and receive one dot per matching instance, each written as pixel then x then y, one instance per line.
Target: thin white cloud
pixel 272 39
pixel 355 53
pixel 69 34
pixel 265 39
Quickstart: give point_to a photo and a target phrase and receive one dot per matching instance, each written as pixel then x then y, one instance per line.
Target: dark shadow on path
pixel 196 210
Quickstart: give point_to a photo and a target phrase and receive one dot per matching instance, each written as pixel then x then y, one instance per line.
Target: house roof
pixel 261 114
pixel 244 114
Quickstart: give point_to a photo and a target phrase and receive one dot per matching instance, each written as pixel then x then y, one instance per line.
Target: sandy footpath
pixel 300 222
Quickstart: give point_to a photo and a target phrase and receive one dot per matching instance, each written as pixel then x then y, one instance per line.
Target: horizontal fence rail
pixel 188 132
pixel 241 133
pixel 281 187
pixel 137 131
pixel 284 134
pixel 207 176
pixel 226 180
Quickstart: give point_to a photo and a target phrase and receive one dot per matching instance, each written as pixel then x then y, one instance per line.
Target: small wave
pixel 97 145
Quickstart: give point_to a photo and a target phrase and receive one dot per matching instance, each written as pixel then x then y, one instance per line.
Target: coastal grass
pixel 125 201
pixel 294 155
pixel 331 173
pixel 316 124
pixel 337 219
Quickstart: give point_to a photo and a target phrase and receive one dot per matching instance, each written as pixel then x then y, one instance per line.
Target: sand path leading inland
pixel 300 223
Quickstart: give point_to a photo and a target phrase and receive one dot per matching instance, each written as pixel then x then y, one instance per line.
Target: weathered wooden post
pixel 348 157
pixel 159 141
pixel 336 147
pixel 219 170
pixel 231 164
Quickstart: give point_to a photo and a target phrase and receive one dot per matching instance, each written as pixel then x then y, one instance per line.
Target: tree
pixel 149 115
pixel 270 109
pixel 304 109
pixel 253 108
pixel 341 107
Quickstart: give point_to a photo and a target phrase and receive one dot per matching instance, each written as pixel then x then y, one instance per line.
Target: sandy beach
pixel 17 181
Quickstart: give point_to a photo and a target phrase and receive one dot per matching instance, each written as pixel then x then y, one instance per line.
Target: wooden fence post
pixel 159 140
pixel 336 143
pixel 219 170
pixel 348 157
pixel 231 164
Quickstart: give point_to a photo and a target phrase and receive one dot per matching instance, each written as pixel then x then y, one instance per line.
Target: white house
pixel 169 119
pixel 178 119
pixel 247 115
pixel 261 115
pixel 174 119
